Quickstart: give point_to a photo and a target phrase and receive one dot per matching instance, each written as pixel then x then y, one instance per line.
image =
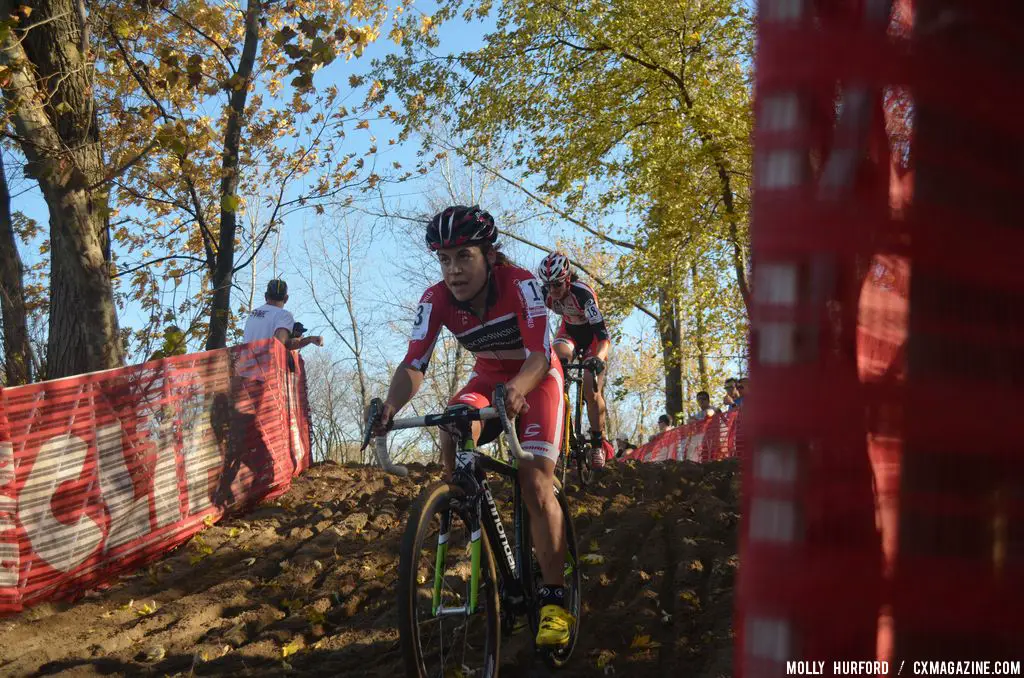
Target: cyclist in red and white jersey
pixel 582 329
pixel 496 310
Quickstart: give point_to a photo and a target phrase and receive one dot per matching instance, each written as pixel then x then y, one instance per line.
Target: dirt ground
pixel 305 585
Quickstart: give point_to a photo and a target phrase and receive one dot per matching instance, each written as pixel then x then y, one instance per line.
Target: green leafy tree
pixel 629 105
pixel 213 112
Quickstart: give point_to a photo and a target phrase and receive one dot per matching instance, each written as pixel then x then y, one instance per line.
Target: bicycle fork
pixel 439 567
pixel 464 472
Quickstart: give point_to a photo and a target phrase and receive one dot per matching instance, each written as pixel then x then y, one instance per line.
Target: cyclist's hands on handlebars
pixel 515 401
pixel 594 364
pixel 383 422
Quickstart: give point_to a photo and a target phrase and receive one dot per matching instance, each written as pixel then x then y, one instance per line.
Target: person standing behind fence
pixel 732 394
pixel 664 426
pixel 257 395
pixel 271 320
pixel 704 408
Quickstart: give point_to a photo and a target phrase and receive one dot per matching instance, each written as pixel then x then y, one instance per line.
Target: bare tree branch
pixel 125 167
pixel 144 264
pixel 542 200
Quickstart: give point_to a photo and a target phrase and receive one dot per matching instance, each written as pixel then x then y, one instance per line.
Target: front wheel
pixel 435 562
pixel 533 580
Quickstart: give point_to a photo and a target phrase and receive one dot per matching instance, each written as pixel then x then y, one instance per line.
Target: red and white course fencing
pixel 703 441
pixel 104 472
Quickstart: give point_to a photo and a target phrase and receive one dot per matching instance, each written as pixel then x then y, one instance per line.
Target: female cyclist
pixel 496 310
pixel 582 330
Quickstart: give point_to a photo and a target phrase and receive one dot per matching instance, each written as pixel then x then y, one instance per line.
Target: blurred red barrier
pixel 881 506
pixel 104 472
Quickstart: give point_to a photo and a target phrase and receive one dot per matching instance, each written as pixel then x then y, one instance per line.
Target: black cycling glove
pixel 594 364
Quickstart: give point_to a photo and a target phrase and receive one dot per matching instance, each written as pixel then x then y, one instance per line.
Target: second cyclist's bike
pixel 576 450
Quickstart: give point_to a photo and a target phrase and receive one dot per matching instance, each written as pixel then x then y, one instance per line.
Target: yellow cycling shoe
pixel 555 626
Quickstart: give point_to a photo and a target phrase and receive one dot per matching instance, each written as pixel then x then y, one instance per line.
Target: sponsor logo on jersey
pixel 499 336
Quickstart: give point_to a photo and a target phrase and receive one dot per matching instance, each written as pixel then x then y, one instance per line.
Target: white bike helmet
pixel 554 268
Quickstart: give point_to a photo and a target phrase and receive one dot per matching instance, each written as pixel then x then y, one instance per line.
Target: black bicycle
pixel 576 450
pixel 462 584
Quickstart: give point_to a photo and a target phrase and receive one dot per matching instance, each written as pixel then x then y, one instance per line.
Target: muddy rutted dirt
pixel 305 585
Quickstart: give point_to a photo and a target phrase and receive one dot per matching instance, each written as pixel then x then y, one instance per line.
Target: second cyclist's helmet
pixel 554 268
pixel 460 225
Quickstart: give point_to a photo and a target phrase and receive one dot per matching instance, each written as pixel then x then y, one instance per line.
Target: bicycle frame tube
pixel 442 553
pixel 483 514
pixel 496 533
pixel 566 446
pixel 474 559
pixel 579 411
pixel 508 564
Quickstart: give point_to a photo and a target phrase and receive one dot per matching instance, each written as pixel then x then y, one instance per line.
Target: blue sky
pixel 407 197
pixel 382 286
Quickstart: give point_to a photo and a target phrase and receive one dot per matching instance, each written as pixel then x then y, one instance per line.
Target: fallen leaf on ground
pixel 643 642
pixel 291 648
pixel 147 609
pixel 155 653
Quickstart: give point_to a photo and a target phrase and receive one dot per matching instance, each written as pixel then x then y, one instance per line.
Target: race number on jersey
pixel 593 313
pixel 531 292
pixel 421 321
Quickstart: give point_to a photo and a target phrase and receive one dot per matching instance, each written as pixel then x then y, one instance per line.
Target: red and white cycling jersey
pixel 582 322
pixel 514 325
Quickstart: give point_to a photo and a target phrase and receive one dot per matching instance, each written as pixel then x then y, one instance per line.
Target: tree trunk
pixel 17 356
pixel 699 339
pixel 220 309
pixel 739 254
pixel 49 96
pixel 669 329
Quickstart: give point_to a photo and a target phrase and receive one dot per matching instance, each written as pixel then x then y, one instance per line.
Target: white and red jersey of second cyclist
pixel 514 326
pixel 582 323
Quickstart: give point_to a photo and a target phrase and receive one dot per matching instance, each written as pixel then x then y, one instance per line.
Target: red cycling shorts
pixel 539 427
